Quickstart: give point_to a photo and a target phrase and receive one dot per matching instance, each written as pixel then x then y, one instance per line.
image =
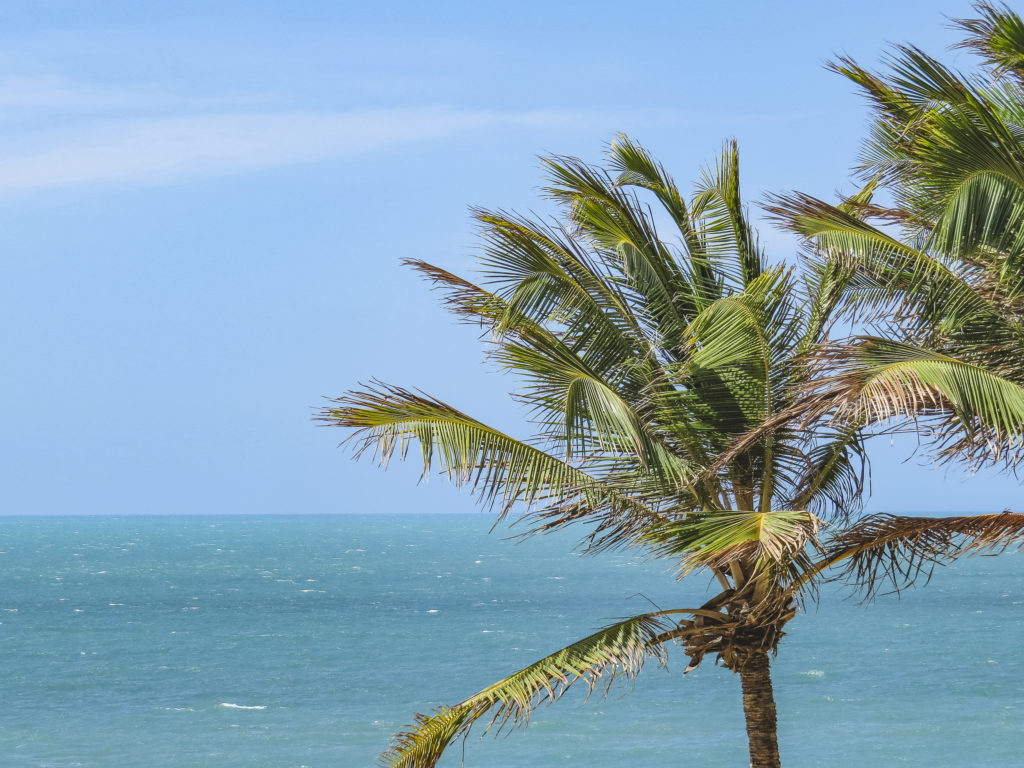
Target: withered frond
pixel 895 550
pixel 468 301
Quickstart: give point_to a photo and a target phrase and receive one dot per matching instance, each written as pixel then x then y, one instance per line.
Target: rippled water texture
pixel 306 641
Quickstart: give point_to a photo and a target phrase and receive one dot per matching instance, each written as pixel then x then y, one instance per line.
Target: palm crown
pixel 641 361
pixel 644 362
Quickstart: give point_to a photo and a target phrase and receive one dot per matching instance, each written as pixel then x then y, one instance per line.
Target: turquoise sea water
pixel 306 641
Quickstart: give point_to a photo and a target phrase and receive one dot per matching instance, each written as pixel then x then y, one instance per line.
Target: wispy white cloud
pixel 159 150
pixel 38 98
pixel 57 132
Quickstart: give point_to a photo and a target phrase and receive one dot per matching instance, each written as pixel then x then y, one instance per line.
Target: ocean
pixel 288 641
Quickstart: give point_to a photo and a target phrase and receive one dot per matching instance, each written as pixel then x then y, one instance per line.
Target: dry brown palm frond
pixel 894 550
pixel 468 301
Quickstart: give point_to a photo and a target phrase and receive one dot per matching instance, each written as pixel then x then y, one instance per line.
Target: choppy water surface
pixel 306 641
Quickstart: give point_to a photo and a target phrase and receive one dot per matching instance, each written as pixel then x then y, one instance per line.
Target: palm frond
pixel 619 649
pixel 740 372
pixel 763 542
pixel 611 218
pixel 753 329
pixel 724 230
pixel 637 168
pixel 894 550
pixel 902 270
pixel 964 412
pixel 589 411
pixel 829 284
pixel 468 301
pixel 834 480
pixel 544 275
pixel 876 379
pixel 503 471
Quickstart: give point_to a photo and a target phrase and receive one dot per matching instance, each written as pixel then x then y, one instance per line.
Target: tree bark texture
pixel 759 709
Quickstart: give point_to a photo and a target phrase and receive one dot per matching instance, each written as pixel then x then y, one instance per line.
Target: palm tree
pixel 644 360
pixel 938 272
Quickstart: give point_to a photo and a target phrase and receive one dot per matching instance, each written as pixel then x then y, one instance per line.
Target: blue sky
pixel 203 207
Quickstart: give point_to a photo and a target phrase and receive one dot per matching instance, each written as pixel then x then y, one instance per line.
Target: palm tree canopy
pixel 686 399
pixel 642 357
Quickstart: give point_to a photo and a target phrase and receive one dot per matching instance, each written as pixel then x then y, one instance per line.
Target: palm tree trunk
pixel 759 709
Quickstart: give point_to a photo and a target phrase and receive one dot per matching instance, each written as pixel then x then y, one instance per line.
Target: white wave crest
pixel 228 705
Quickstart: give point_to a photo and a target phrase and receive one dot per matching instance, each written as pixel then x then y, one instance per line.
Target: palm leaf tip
pixel 387 419
pixel 471 303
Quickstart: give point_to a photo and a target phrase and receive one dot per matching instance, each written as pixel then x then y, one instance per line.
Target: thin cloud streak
pixel 161 150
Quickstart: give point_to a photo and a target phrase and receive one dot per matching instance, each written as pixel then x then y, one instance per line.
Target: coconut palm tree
pixel 938 271
pixel 643 361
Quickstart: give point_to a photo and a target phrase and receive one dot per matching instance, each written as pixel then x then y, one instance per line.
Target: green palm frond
pixel 518 338
pixel 619 649
pixel 724 230
pixel 951 146
pixel 588 411
pixel 753 330
pixel 972 414
pixel 828 284
pixel 637 168
pixel 742 368
pixel 877 379
pixel 502 470
pixel 901 270
pixel 612 220
pixel 893 550
pixel 741 347
pixel 950 149
pixel 542 273
pixel 881 157
pixel 773 542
